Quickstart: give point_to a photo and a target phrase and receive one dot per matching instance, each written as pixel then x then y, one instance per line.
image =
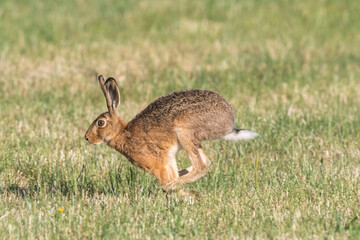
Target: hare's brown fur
pixel 152 139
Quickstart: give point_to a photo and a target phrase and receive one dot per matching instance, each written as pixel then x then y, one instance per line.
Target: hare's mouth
pixel 93 143
pixel 97 143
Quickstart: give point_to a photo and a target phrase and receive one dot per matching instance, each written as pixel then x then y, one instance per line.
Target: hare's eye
pixel 101 123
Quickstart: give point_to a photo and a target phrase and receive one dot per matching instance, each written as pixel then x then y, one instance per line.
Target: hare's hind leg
pixel 199 161
pixel 191 174
pixel 204 158
pixel 185 171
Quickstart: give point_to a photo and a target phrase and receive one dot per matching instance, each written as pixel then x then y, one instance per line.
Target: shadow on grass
pixel 131 184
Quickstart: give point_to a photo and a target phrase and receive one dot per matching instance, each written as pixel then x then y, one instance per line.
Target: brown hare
pixel 179 120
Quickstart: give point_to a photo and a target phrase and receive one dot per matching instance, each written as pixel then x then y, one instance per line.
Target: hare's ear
pixel 111 93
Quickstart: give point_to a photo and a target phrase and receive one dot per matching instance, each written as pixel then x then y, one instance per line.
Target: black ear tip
pixel 101 78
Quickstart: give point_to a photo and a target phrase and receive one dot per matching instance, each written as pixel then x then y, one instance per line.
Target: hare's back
pixel 190 104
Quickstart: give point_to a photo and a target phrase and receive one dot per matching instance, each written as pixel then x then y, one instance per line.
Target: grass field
pixel 290 69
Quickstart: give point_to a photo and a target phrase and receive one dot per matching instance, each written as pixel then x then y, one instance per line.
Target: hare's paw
pixel 172 185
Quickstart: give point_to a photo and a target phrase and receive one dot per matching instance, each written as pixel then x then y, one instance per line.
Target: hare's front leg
pixel 166 170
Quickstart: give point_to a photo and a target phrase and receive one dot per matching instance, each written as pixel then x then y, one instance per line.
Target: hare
pixel 179 120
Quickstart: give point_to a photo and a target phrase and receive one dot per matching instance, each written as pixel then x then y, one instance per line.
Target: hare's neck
pixel 118 142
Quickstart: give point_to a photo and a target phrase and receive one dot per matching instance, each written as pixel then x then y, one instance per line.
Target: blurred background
pixel 247 50
pixel 290 69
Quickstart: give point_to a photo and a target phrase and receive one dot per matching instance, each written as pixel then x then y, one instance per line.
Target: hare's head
pixel 109 124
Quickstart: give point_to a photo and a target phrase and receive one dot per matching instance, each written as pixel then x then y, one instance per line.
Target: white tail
pixel 240 135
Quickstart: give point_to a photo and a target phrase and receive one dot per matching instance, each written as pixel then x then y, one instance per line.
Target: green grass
pixel 290 69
